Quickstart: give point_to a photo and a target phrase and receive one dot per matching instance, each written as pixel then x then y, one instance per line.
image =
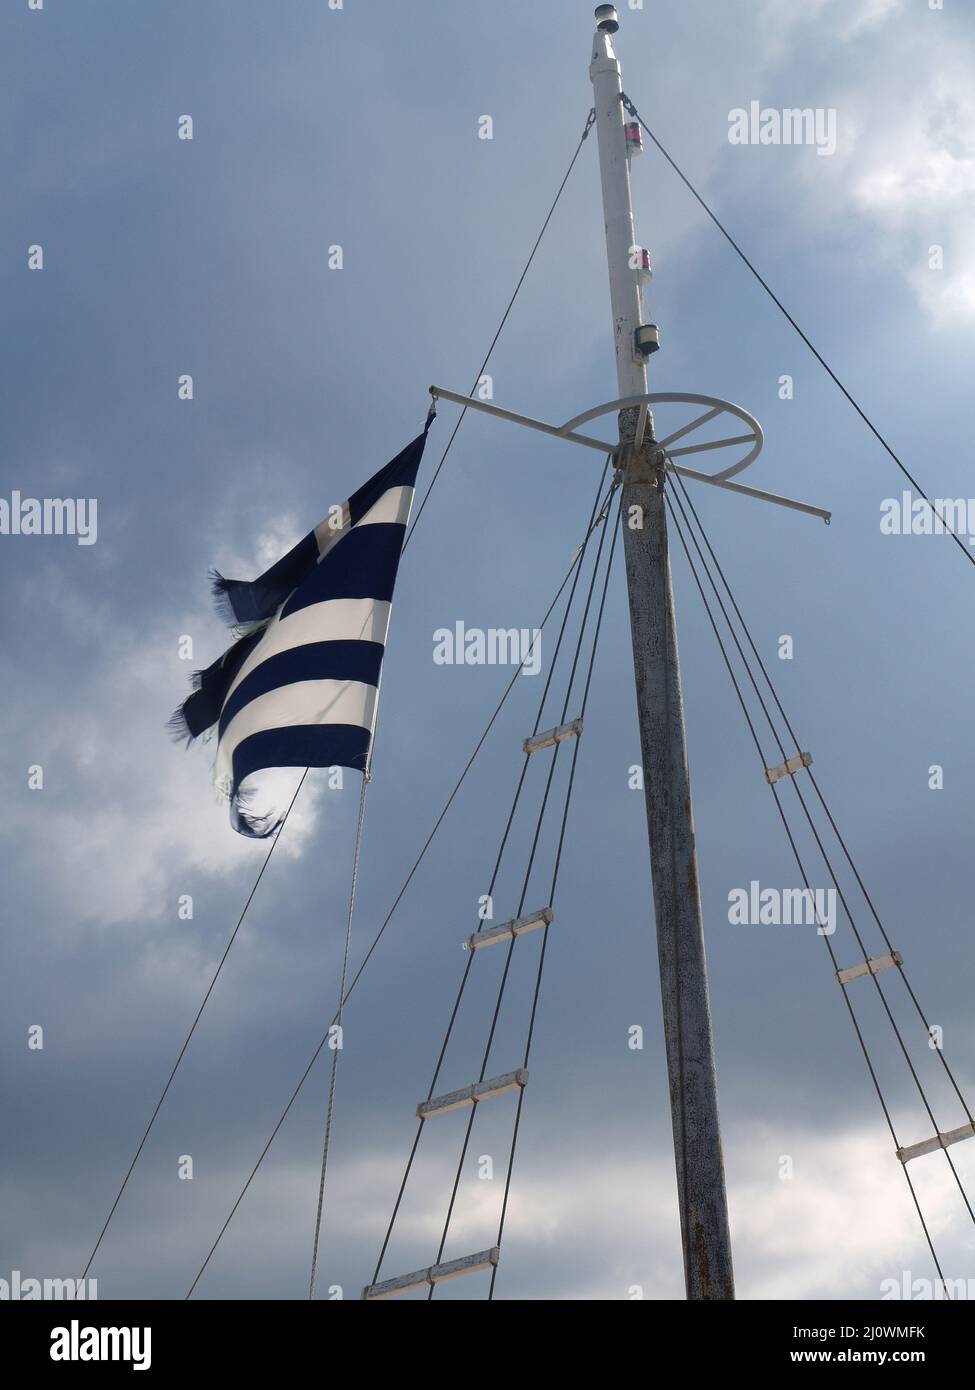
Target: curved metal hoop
pixel 716 408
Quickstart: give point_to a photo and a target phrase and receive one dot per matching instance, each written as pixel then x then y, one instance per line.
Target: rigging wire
pixel 628 104
pixel 551 899
pixel 186 1040
pixel 338 1024
pixel 804 876
pixel 576 560
pixel 825 856
pixel 524 890
pixel 590 121
pixel 815 784
pixel 594 520
pixel 344 994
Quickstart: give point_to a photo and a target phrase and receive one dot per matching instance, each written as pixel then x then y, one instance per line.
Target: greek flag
pixel 300 686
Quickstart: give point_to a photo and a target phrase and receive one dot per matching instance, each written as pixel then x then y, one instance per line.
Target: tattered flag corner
pixel 300 686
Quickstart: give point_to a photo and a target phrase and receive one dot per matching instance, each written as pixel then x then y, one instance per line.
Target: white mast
pixel 677 904
pixel 614 170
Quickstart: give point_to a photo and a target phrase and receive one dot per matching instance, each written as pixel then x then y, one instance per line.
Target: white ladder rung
pixel 552 736
pixel 507 931
pixel 436 1274
pixel 786 769
pixel 473 1095
pixel 869 967
pixel 940 1141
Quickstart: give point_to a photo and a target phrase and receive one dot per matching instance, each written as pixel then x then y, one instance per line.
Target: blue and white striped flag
pixel 300 688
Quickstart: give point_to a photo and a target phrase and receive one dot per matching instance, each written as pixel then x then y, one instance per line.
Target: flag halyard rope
pixel 338 1024
pixel 193 1026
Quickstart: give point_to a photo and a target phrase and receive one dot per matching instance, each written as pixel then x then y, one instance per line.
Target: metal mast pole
pixel 677 903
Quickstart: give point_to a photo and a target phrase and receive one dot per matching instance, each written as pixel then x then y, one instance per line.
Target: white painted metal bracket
pixel 507 931
pixel 473 1095
pixel 940 1141
pixel 561 431
pixel 786 769
pixel 436 1274
pixel 873 966
pixel 715 407
pixel 552 736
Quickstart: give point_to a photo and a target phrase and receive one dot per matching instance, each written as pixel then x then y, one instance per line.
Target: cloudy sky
pixel 358 127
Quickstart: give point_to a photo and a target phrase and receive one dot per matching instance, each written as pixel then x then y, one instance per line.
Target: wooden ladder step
pixel 873 966
pixel 552 736
pixel 473 1095
pixel 940 1141
pixel 507 931
pixel 436 1274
